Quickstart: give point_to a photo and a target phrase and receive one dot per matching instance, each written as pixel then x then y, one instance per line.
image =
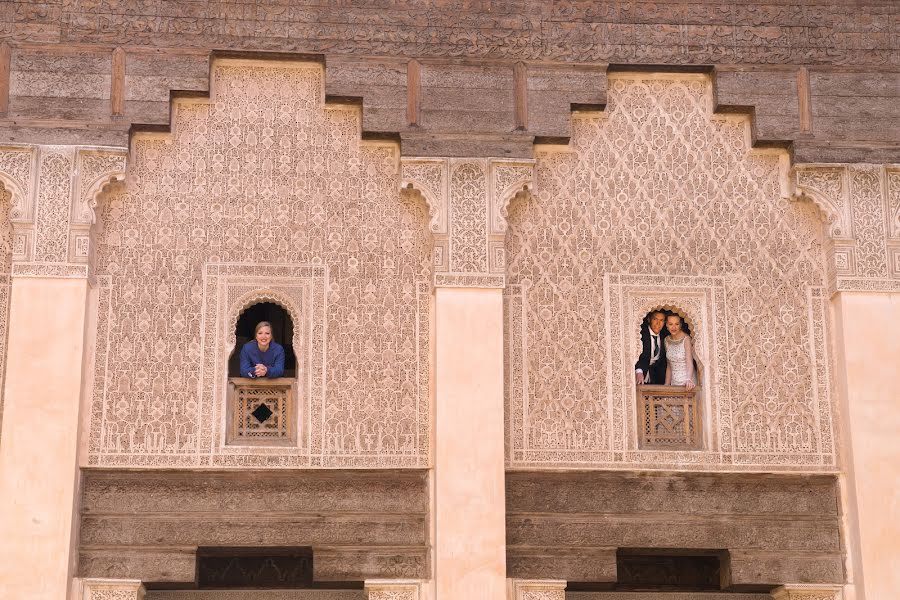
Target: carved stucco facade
pixel 240 202
pixel 249 204
pixel 861 206
pixel 704 226
pixel 266 192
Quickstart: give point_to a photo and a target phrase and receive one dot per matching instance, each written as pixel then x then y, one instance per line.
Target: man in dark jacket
pixel 651 365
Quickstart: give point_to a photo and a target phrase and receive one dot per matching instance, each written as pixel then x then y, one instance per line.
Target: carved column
pixel 537 589
pixel 860 205
pixel 467 200
pixel 46 339
pixel 801 591
pixel 111 589
pixel 392 589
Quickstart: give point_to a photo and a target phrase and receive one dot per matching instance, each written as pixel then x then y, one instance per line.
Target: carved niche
pixel 861 205
pixel 468 201
pixel 262 188
pixel 658 200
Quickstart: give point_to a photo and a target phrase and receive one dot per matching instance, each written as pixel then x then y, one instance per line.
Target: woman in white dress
pixel 679 355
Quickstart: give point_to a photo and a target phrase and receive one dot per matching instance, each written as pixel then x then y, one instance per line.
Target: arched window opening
pixel 262 403
pixel 652 362
pixel 282 333
pixel 668 374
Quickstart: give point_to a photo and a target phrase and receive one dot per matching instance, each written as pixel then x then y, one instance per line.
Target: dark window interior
pixel 282 331
pixel 259 568
pixel 669 570
pixel 266 568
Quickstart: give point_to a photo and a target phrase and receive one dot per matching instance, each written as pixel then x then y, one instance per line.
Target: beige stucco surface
pixel 470 528
pixel 38 447
pixel 871 422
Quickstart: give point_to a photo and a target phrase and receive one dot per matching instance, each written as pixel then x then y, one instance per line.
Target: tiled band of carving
pixel 537 589
pixel 393 589
pixel 111 589
pixel 467 202
pixel 802 591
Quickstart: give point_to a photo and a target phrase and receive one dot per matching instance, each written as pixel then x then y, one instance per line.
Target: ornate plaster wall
pixel 262 189
pixel 5 264
pixel 657 201
pixel 861 206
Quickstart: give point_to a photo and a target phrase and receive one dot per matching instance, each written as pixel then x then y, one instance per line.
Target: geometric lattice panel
pixel 261 411
pixel 669 418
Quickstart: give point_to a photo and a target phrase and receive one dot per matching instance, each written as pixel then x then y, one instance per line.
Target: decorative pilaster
pixel 111 589
pixel 54 191
pixel 468 200
pixel 803 591
pixel 537 589
pixel 860 206
pixel 392 589
pixel 45 296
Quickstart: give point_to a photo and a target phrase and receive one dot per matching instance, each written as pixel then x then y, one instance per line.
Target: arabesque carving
pixel 537 589
pixel 111 589
pixel 827 189
pixel 893 192
pixel 262 189
pixel 468 200
pixel 705 224
pixel 54 192
pixel 387 589
pixel 801 591
pixel 862 204
pixel 6 251
pixel 16 175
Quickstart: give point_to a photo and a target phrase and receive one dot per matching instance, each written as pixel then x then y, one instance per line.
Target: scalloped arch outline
pixel 100 186
pixel 672 307
pixel 252 299
pixel 12 186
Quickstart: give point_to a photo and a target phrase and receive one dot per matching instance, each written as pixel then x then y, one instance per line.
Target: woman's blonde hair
pixel 262 324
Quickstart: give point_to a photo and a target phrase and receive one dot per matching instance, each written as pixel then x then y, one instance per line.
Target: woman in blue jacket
pixel 262 357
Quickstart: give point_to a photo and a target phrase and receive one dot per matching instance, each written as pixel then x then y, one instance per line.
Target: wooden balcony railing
pixel 262 412
pixel 669 418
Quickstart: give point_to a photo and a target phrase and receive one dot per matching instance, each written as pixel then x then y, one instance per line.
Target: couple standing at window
pixel 262 356
pixel 667 355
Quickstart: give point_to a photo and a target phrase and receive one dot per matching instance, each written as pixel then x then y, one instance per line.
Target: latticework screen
pixel 262 411
pixel 670 418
